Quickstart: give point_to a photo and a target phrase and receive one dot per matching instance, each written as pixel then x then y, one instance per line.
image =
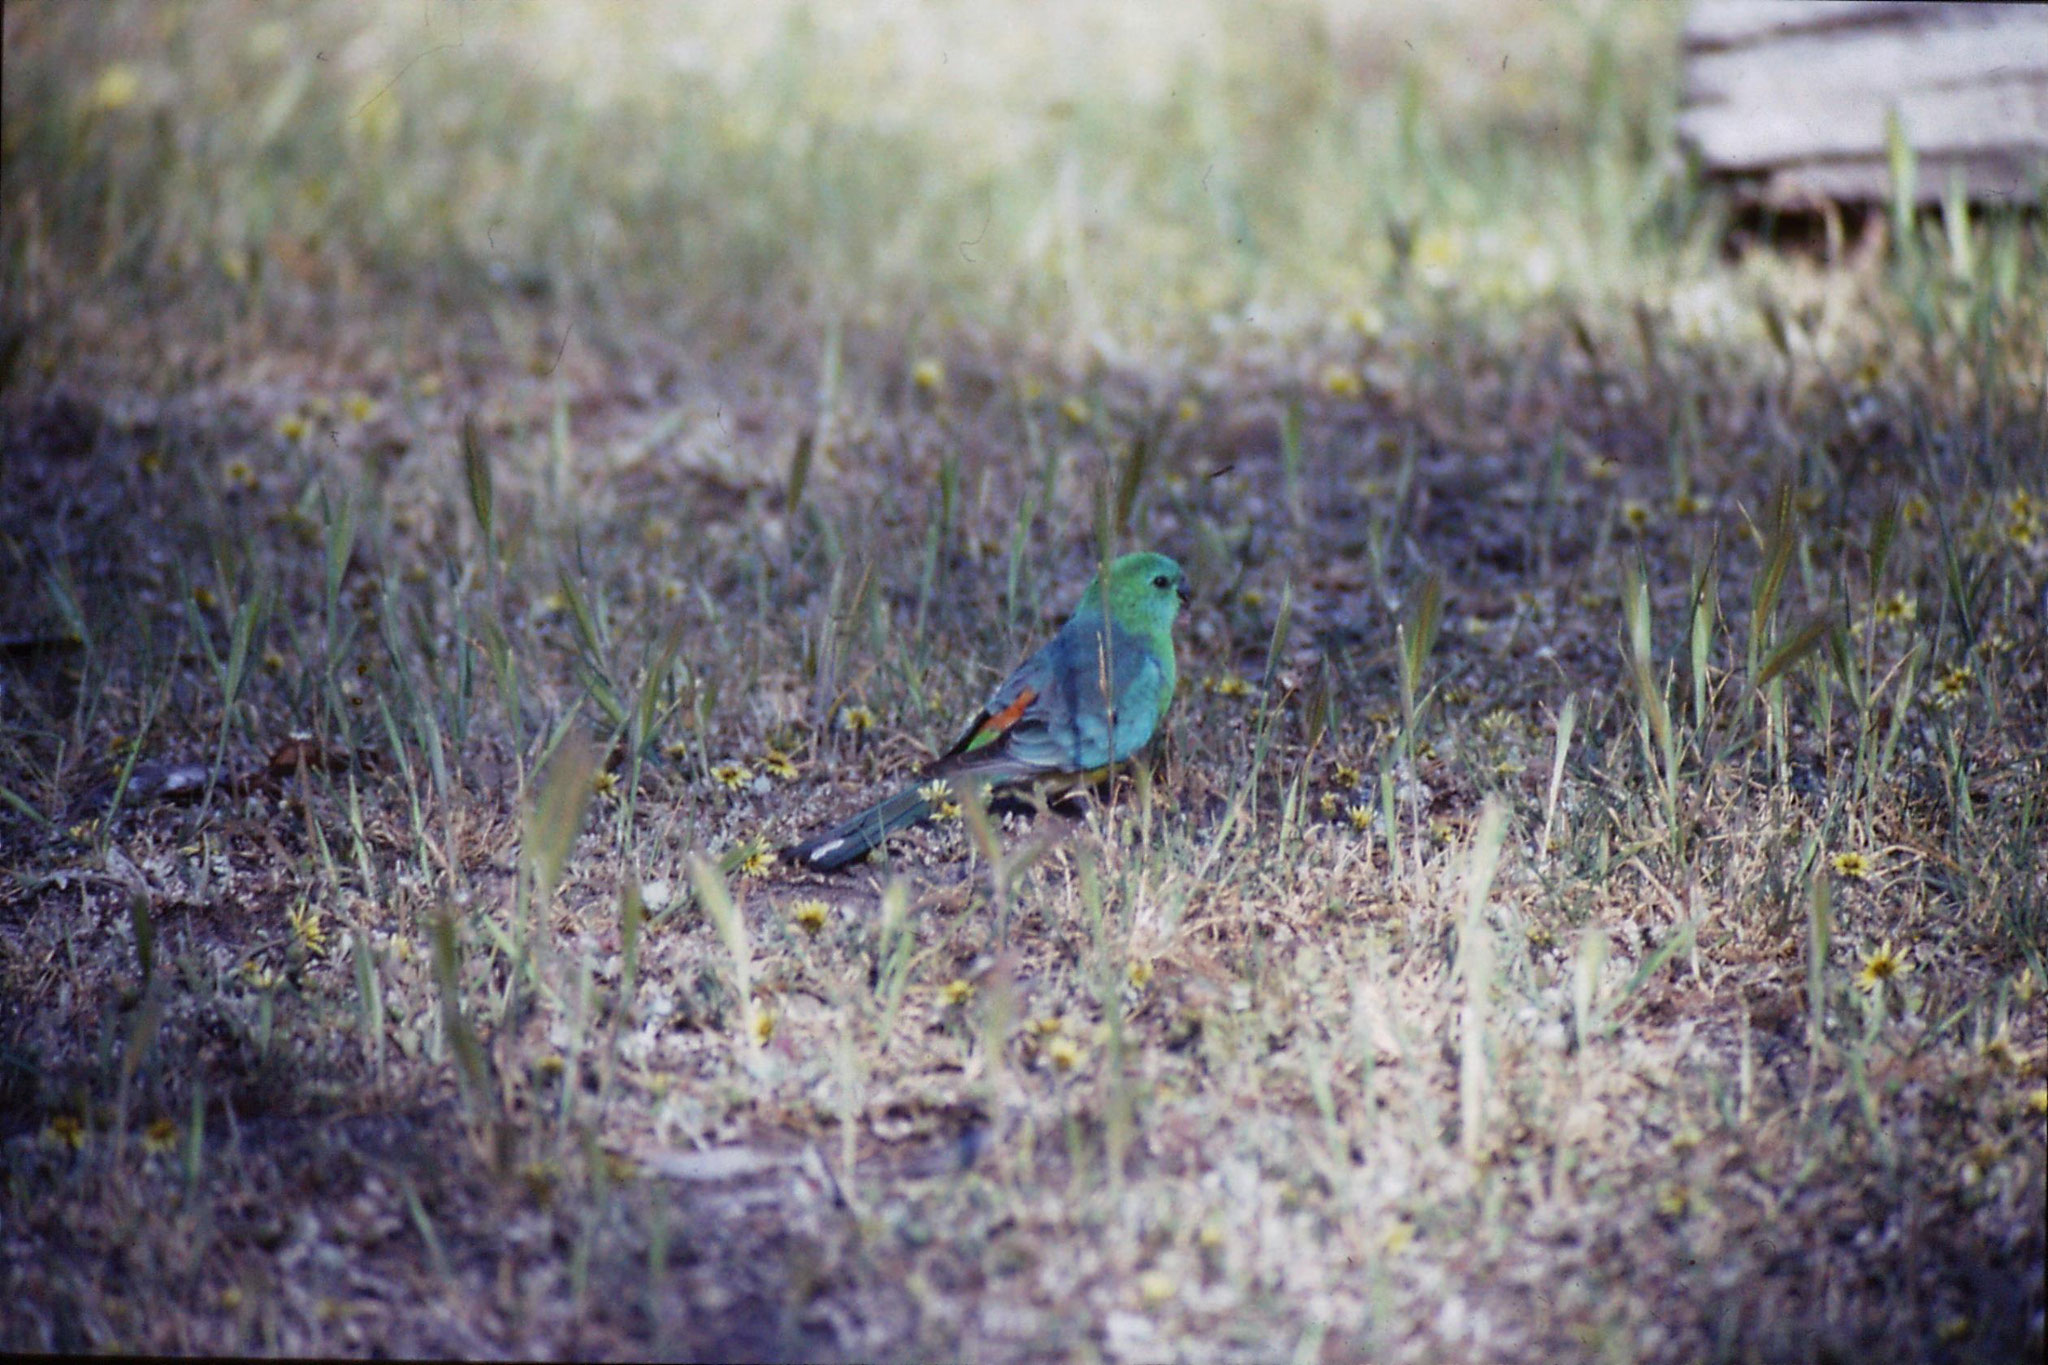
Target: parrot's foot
pixel 1068 805
pixel 1073 805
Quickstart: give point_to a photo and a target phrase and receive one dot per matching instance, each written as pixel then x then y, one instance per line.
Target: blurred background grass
pixel 1063 164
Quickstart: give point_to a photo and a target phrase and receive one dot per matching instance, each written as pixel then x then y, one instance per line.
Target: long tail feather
pixel 851 840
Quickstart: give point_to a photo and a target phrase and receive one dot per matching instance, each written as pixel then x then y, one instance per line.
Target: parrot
pixel 1091 696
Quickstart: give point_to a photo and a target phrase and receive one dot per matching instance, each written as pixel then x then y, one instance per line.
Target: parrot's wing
pixel 1009 704
pixel 1053 715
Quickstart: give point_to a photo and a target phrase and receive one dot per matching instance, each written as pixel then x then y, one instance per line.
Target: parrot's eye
pixel 1162 581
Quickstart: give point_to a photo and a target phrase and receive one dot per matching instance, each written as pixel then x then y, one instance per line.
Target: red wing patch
pixel 1002 720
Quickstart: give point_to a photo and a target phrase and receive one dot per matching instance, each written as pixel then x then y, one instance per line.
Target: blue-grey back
pixel 1099 697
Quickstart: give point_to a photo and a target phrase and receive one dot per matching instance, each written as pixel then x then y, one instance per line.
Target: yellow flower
pixel 1064 1053
pixel 1346 776
pixel 777 764
pixel 1915 510
pixel 258 975
pixel 1328 804
pixel 1673 1200
pixel 307 929
pixel 857 719
pixel 238 475
pixel 1252 598
pixel 1600 469
pixel 1340 382
pixel 150 462
pixel 540 1179
pixel 1953 685
pixel 1437 251
pixel 1230 686
pixel 1880 966
pixel 65 1130
pixel 675 751
pixel 671 591
pixel 762 1025
pixel 1139 973
pixel 956 993
pixel 1360 816
pixel 1497 721
pixel 1046 1025
pixel 731 776
pixel 1635 515
pixel 603 783
pixel 359 406
pixel 160 1137
pixel 292 427
pixel 301 525
pixel 1189 412
pixel 1075 410
pixel 1155 1287
pixel 1852 865
pixel 1366 321
pixel 1994 641
pixel 203 598
pixel 808 915
pixel 2037 1101
pixel 928 374
pixel 757 862
pixel 427 385
pixel 1899 609
pixel 116 88
pixel 1399 1237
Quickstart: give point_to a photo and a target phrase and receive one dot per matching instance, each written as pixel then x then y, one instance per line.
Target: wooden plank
pixel 1992 182
pixel 1812 65
pixel 2011 116
pixel 1715 24
pixel 1796 99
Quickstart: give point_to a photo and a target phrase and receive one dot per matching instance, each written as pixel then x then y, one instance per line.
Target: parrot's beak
pixel 1184 595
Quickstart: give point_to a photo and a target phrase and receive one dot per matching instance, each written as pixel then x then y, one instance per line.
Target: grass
pixel 477 479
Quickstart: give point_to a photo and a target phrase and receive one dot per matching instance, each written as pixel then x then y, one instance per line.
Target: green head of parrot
pixel 1145 593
